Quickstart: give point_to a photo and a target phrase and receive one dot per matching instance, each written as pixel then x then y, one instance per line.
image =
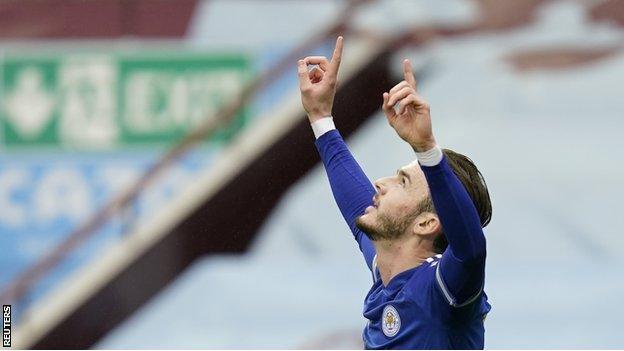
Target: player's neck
pixel 398 255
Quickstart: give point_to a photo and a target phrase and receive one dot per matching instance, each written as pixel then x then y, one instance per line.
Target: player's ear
pixel 426 224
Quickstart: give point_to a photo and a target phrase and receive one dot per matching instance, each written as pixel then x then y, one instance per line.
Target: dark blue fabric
pixel 426 319
pixel 463 263
pixel 421 308
pixel 352 190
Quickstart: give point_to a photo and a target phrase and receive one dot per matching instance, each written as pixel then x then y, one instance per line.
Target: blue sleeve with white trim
pixel 352 190
pixel 461 271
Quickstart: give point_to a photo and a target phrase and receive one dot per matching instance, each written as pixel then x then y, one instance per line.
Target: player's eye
pixel 403 181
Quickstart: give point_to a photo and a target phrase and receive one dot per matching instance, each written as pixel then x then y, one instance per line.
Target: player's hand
pixel 412 121
pixel 318 86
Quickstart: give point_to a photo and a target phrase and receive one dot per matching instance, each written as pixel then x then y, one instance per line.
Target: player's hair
pixel 474 183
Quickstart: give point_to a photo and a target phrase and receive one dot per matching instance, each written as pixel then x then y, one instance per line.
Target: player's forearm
pixel 459 218
pixel 351 188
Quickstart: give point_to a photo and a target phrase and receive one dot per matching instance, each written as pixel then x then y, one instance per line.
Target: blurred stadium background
pixel 159 187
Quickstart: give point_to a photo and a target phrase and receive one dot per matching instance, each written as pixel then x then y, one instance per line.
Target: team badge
pixel 390 321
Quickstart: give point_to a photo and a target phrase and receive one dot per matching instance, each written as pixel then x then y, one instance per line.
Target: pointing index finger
pixel 409 73
pixel 337 55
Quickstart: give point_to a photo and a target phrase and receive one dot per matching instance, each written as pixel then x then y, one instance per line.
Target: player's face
pixel 396 204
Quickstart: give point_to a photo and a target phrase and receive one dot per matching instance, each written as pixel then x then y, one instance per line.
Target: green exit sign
pixel 101 101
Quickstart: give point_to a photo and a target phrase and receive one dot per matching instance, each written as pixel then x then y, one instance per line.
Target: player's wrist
pixel 430 157
pixel 322 126
pixel 314 116
pixel 424 146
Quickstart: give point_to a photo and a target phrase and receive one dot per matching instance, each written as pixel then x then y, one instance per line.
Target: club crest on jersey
pixel 390 321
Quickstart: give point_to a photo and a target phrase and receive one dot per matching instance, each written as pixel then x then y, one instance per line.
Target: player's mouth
pixel 372 207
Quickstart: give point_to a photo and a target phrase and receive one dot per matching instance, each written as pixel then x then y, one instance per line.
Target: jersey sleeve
pixel 460 273
pixel 351 188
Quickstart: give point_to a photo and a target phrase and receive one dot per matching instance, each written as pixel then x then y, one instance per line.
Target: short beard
pixel 389 228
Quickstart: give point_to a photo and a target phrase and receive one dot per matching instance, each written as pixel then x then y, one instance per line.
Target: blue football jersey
pixel 413 312
pixel 439 304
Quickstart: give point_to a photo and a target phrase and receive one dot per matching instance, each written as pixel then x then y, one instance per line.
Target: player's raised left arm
pixel 461 270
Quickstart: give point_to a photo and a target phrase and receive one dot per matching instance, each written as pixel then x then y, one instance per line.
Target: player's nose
pixel 379 186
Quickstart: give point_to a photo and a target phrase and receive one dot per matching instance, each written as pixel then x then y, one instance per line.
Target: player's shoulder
pixel 424 275
pixel 421 287
pixel 423 290
pixel 429 268
pixel 417 277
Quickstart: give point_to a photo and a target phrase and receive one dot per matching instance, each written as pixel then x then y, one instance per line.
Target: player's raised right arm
pixel 351 188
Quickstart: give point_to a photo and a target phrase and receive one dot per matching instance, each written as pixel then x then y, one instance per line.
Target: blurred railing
pixel 18 289
pixel 415 35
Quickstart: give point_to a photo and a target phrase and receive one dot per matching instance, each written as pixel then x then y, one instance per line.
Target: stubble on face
pixel 387 228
